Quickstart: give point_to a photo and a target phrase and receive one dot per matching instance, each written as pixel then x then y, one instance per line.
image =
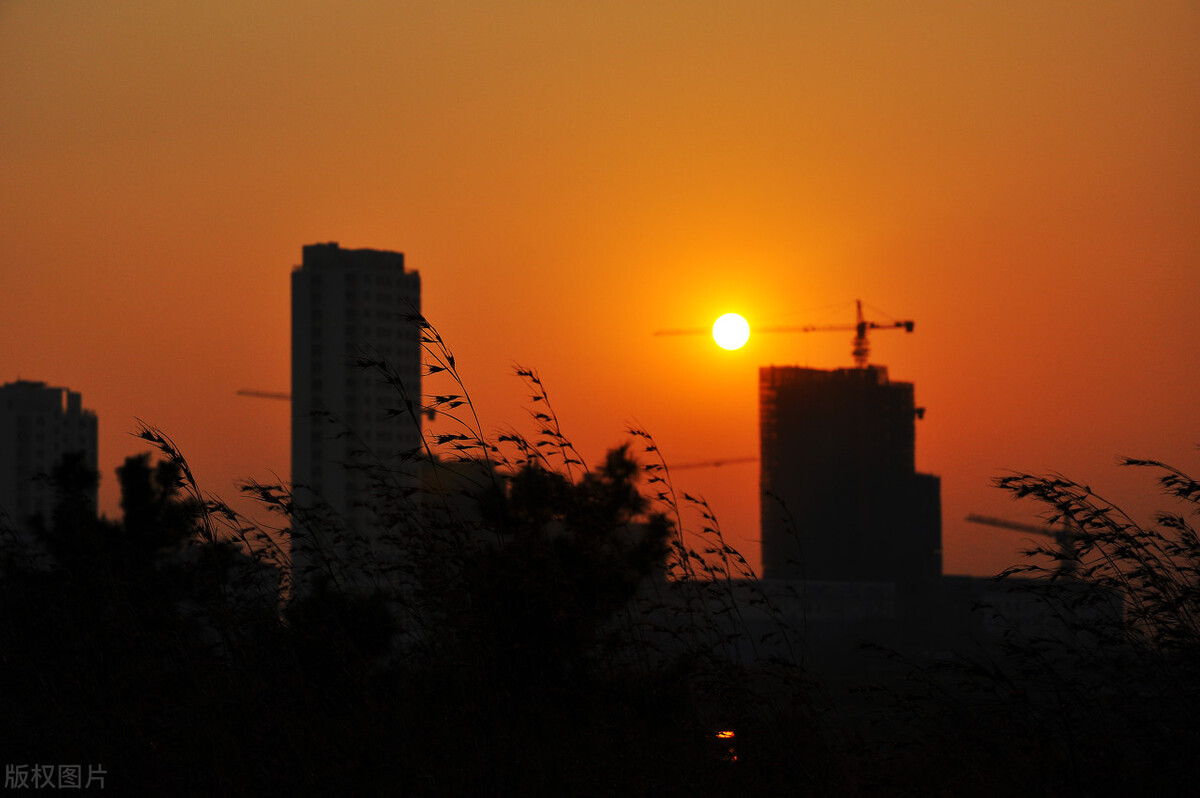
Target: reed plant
pixel 515 618
pixel 1098 695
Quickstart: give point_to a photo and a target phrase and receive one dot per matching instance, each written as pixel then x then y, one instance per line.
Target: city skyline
pixel 1020 181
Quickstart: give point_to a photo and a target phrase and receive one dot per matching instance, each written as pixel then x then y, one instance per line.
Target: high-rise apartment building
pixel 348 303
pixel 842 500
pixel 39 426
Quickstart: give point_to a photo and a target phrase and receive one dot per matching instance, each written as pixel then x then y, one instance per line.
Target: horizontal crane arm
pixel 870 325
pixel 861 349
pixel 1006 524
pixel 286 397
pixel 866 325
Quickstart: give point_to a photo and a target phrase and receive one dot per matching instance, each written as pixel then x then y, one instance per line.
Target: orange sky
pixel 1020 178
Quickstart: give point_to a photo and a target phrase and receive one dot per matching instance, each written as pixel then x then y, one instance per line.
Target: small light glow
pixel 731 331
pixel 725 735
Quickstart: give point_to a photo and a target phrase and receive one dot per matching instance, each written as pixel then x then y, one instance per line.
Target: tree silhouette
pixel 568 557
pixel 156 519
pixel 111 651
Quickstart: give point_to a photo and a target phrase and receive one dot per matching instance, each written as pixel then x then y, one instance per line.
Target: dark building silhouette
pixel 39 426
pixel 348 303
pixel 842 500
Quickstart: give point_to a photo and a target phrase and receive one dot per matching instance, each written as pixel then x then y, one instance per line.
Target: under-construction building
pixel 841 498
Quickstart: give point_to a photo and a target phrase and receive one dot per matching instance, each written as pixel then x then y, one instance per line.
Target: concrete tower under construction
pixel 841 498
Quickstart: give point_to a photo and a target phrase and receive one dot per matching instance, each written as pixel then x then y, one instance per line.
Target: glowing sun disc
pixel 731 331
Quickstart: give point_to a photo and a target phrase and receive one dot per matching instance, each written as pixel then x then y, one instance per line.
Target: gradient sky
pixel 1021 178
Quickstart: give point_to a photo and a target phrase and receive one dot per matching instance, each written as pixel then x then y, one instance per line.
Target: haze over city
pixel 1022 180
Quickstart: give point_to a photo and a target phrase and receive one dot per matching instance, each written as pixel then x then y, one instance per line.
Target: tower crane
pixel 860 327
pixel 286 397
pixel 715 463
pixel 1065 536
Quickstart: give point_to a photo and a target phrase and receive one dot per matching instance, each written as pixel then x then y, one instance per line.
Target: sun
pixel 731 331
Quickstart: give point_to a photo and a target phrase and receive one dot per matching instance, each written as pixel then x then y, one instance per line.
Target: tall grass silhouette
pixel 513 618
pixel 1099 695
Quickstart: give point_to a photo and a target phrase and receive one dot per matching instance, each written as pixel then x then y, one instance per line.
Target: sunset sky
pixel 1022 179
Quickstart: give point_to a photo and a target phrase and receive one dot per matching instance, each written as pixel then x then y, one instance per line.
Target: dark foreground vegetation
pixel 543 628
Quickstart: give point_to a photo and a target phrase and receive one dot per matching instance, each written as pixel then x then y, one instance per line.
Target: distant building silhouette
pixel 39 426
pixel 838 452
pixel 348 303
